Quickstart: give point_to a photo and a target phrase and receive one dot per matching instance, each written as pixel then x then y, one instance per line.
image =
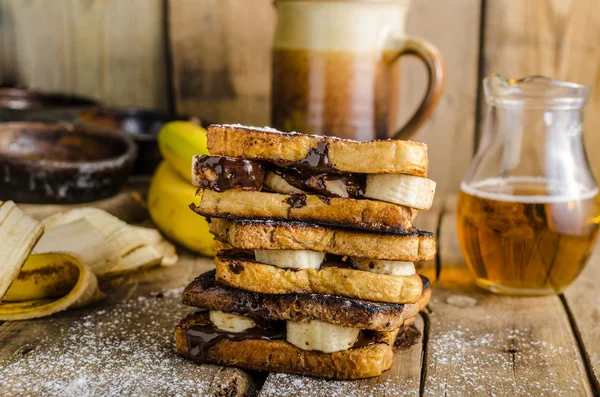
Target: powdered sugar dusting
pixel 504 362
pixel 275 131
pixel 260 129
pixel 284 385
pixel 125 349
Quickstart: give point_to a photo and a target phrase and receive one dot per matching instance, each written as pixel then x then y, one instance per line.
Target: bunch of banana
pixel 171 191
pixel 43 274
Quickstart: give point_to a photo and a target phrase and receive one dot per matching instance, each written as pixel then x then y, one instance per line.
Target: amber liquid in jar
pixel 526 236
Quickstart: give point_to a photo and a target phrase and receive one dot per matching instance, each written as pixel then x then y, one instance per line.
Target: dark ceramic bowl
pixel 21 98
pixel 143 125
pixel 62 162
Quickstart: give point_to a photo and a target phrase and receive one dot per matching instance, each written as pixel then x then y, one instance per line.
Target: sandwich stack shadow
pixel 316 273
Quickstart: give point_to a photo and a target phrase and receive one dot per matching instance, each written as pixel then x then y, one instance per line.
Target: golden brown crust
pixel 241 271
pixel 414 247
pixel 204 292
pixel 281 356
pixel 364 214
pixel 373 157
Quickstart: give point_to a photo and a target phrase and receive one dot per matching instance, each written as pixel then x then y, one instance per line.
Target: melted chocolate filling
pixel 201 337
pixel 223 173
pixel 365 338
pixel 315 181
pixel 297 200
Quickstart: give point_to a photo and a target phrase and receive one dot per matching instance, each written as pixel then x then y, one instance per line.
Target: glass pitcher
pixel 528 210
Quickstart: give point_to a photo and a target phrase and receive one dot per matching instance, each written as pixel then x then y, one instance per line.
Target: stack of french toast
pixel 316 273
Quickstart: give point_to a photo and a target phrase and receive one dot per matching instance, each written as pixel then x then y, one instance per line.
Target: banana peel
pixel 34 286
pixel 44 274
pixel 18 235
pixel 62 266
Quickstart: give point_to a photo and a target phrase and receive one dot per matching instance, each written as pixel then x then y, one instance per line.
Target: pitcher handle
pixel 432 59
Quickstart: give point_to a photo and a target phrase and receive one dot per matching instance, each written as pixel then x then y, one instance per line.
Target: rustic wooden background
pixel 212 58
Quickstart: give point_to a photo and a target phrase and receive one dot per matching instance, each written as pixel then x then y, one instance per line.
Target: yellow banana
pixel 178 142
pixel 169 198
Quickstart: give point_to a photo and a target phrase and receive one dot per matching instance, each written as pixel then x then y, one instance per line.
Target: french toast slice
pixel 295 149
pixel 206 293
pixel 412 246
pixel 239 270
pixel 281 356
pixel 344 212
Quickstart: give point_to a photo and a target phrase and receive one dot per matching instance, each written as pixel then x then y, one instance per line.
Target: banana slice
pixel 230 322
pixel 279 185
pixel 337 187
pixel 319 335
pixel 392 268
pixel 408 190
pixel 290 259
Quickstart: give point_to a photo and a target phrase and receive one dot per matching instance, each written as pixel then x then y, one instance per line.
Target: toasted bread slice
pixel 413 246
pixel 281 356
pixel 363 214
pixel 206 293
pixel 240 270
pixel 293 149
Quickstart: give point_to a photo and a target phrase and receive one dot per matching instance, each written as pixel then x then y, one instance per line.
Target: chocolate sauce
pixel 222 173
pixel 317 157
pixel 297 200
pixel 236 267
pixel 201 337
pixel 426 282
pixel 325 199
pixel 407 337
pixel 365 338
pixel 336 261
pixel 314 181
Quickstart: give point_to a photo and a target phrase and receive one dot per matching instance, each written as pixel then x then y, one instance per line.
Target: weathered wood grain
pixel 222 58
pixel 556 38
pixel 583 301
pixel 402 379
pixel 110 50
pixel 453 27
pixel 485 344
pixel 120 346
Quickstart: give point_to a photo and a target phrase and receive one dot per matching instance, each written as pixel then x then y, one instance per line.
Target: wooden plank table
pixel 472 342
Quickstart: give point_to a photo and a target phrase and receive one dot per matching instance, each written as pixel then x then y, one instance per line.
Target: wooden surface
pixel 556 38
pixel 582 301
pixel 473 343
pixel 217 60
pixel 402 379
pixel 110 50
pixel 453 27
pixel 222 58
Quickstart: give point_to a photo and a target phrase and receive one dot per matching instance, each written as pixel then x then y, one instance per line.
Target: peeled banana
pixel 411 191
pixel 321 336
pixel 168 203
pixel 230 322
pixel 392 268
pixel 178 142
pixel 290 259
pixel 279 185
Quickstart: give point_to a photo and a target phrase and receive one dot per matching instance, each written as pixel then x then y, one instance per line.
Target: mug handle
pixel 432 59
